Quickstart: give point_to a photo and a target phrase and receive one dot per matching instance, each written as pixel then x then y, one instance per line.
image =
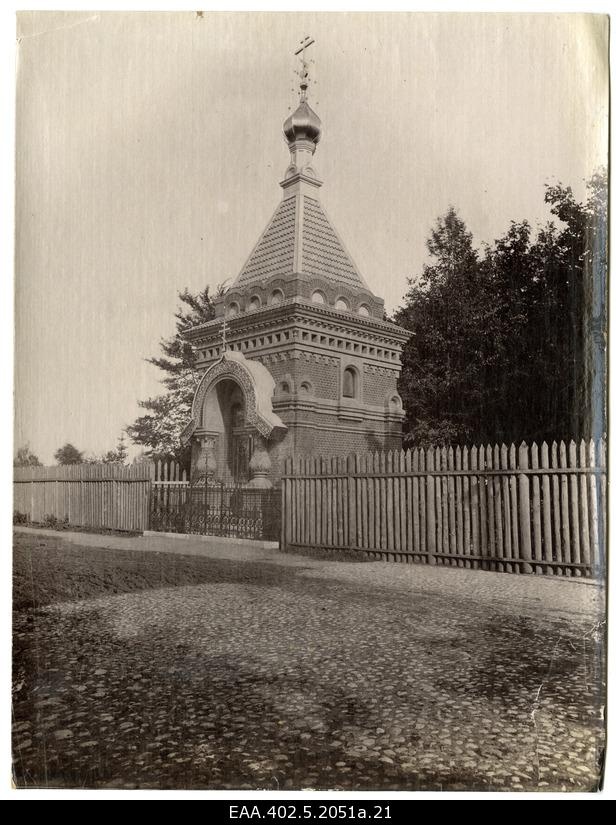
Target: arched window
pixel 277 296
pixel 349 383
pixel 318 297
pixel 305 388
pixel 342 304
pixel 255 302
pixel 364 309
pixel 233 309
pixel 284 387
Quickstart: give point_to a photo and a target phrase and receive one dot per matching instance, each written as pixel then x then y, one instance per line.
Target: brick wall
pixel 324 377
pixel 379 386
pixel 329 440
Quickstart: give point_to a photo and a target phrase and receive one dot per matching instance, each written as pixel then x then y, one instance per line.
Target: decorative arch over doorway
pixel 232 419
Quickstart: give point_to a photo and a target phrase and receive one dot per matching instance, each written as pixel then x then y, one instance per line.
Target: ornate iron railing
pixel 215 509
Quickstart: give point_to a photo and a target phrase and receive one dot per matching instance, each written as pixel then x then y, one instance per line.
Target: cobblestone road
pixel 225 668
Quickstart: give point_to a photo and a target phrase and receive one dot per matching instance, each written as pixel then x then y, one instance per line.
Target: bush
pixel 20 518
pixel 49 520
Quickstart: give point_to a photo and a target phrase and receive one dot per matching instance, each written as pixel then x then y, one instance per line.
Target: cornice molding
pixel 297 310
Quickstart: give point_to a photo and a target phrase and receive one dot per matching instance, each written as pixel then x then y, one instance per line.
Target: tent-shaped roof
pixel 300 239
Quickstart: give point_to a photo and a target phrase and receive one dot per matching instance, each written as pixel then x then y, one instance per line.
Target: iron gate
pixel 215 509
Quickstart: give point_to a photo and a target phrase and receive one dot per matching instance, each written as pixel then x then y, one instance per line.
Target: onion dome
pixel 303 124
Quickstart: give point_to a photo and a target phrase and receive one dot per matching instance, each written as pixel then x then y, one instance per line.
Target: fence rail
pixel 510 508
pixel 85 495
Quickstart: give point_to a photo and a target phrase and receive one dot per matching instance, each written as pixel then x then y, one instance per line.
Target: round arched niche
pixel 220 399
pixel 227 444
pixel 394 404
pixel 350 382
pixel 277 297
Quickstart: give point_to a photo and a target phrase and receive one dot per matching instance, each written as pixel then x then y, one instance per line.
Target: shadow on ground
pixel 159 670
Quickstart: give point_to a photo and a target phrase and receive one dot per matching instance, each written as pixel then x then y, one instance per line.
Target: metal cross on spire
pixel 303 73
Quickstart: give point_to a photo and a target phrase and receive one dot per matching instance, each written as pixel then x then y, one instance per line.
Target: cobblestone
pixel 215 667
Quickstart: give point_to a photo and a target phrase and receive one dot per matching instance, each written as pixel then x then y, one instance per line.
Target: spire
pixel 302 129
pixel 300 240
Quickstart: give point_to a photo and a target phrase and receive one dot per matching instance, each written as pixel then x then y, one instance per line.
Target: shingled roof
pixel 300 238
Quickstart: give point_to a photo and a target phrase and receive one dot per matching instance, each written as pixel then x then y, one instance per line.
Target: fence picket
pixel 513 490
pixel 526 545
pixel 410 542
pixel 557 543
pixel 603 506
pixel 546 509
pixel 584 520
pixel 438 505
pixel 371 514
pixel 498 511
pixel 445 505
pixel 459 518
pixel 364 504
pixel 391 512
pixel 383 486
pixel 468 539
pixel 504 463
pixel 594 511
pixel 430 505
pixel 564 508
pixel 396 500
pixel 483 505
pixel 490 499
pixel 423 525
pixel 475 549
pixel 536 507
pixel 574 511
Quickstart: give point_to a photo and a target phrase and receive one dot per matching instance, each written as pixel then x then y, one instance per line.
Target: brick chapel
pixel 298 359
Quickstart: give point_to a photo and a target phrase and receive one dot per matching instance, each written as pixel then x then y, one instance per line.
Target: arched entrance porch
pixel 233 424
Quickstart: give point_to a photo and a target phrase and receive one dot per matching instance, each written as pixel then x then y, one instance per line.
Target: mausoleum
pixel 299 359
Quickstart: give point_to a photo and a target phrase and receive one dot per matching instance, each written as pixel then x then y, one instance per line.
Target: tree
pixel 68 454
pixel 26 458
pixel 167 414
pixel 117 456
pixel 447 310
pixel 511 346
pixel 581 292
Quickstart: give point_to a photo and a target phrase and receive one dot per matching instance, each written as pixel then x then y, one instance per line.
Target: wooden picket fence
pixel 167 472
pixel 108 496
pixel 505 508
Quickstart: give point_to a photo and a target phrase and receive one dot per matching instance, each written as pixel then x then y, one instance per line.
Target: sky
pixel 149 150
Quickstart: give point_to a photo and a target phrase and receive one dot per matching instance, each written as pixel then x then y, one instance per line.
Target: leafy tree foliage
pixel 68 454
pixel 117 456
pixel 510 345
pixel 159 429
pixel 26 458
